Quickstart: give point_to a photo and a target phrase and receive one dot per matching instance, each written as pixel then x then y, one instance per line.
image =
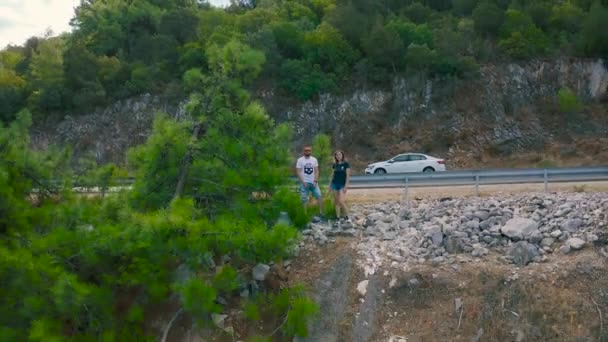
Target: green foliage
pixel 47 77
pixel 417 12
pixel 593 40
pixel 411 33
pixel 350 21
pixel 540 12
pixel 420 57
pixel 23 171
pixel 322 148
pixel 488 18
pixel 464 7
pixel 568 101
pixel 297 307
pixel 198 298
pixel 252 311
pixel 157 163
pixel 290 200
pixel 86 269
pixel 290 303
pixel 522 39
pixel 326 47
pixel 226 280
pixel 121 49
pixel 90 175
pixel 384 48
pixel 305 80
pixel 12 94
pixel 288 38
pixel 567 17
pixel 302 309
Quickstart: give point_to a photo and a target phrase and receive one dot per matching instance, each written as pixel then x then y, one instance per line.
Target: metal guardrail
pixel 481 177
pixel 464 177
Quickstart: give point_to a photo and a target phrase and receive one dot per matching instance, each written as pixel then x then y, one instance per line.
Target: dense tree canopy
pixel 208 189
pixel 119 49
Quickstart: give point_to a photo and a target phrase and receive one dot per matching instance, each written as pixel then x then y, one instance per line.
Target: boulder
pixel 575 244
pixel 519 228
pixel 522 253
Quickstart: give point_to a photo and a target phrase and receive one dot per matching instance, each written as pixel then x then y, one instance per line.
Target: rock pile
pixel 518 229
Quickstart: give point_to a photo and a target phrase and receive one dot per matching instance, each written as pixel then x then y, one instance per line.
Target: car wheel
pixel 428 169
pixel 380 171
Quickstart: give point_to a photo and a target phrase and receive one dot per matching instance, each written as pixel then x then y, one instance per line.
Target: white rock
pixel 519 228
pixel 591 237
pixel 218 320
pixel 260 271
pixel 575 243
pixel 572 225
pixel 362 287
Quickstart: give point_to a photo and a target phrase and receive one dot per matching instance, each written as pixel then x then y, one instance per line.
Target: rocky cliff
pixel 506 109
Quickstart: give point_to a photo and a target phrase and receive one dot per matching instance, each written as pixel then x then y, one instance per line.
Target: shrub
pixel 568 101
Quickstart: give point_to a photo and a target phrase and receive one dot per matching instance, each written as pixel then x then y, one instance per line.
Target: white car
pixel 408 162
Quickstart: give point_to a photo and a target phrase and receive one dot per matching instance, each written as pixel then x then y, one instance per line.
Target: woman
pixel 339 183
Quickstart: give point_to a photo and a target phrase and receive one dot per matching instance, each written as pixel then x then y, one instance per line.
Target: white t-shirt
pixel 308 168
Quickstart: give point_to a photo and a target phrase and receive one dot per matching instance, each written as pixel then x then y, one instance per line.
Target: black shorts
pixel 337 187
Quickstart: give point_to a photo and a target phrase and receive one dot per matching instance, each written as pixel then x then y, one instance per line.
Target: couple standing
pixel 307 168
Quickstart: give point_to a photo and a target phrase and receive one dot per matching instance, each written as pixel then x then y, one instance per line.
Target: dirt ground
pixel 397 194
pixel 565 299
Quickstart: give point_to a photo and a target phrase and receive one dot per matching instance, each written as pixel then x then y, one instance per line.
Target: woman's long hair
pixel 336 157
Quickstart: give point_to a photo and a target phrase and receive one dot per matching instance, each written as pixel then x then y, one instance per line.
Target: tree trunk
pixel 183 174
pixel 188 158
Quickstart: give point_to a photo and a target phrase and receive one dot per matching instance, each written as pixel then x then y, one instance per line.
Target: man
pixel 307 168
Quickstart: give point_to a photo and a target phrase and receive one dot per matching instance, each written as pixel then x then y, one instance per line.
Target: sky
pixel 21 19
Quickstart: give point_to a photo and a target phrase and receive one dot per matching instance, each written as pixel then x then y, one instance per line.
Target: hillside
pixel 509 116
pixel 204 107
pixel 437 64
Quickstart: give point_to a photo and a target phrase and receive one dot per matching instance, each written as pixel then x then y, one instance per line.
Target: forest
pixel 119 49
pixel 209 189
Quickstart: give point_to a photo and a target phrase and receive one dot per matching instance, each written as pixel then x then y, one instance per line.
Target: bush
pixel 567 17
pixel 568 101
pixel 291 304
pixel 525 44
pixel 304 80
pixel 521 38
pixel 593 38
pixel 464 7
pixel 488 18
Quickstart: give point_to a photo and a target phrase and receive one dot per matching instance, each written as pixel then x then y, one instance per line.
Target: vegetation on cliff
pixel 119 49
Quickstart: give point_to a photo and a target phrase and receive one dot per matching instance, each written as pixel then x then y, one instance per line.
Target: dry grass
pixel 549 302
pixel 561 300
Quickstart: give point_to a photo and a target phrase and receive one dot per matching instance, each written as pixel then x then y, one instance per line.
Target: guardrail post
pixel 546 178
pixel 477 185
pixel 407 188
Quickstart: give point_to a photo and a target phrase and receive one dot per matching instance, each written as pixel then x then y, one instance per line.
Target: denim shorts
pixel 309 189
